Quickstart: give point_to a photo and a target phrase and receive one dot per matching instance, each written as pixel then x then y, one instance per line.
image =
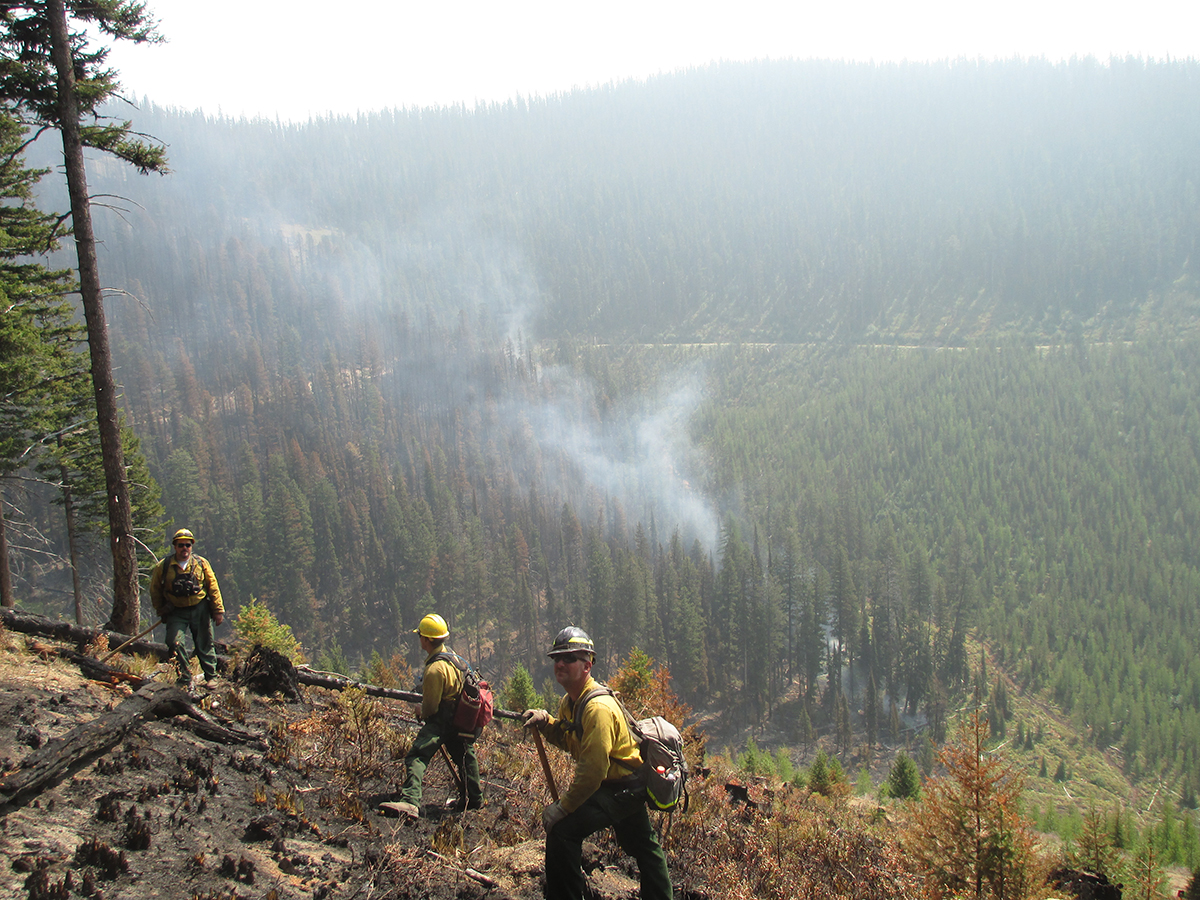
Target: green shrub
pixel 334 660
pixel 755 761
pixel 783 765
pixel 863 784
pixel 256 625
pixel 518 693
pixel 903 781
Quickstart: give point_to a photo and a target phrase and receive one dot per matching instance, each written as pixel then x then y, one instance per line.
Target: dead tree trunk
pixel 120 515
pixel 30 623
pixel 51 763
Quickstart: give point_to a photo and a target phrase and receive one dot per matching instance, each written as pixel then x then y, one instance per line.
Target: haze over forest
pixel 773 370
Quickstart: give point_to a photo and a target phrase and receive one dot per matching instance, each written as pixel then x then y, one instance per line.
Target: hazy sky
pixel 302 58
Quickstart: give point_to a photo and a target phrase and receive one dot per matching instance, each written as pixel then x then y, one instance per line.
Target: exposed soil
pixel 169 814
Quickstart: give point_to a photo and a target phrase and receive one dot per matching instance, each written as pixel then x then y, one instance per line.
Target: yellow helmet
pixel 433 627
pixel 183 535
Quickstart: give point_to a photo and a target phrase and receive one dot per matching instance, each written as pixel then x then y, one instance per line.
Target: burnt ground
pixel 169 814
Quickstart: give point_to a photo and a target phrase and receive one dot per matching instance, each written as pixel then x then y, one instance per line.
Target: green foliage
pixel 818 774
pixel 1094 849
pixel 903 781
pixel 826 777
pixel 926 756
pixel 518 693
pixel 755 761
pixel 255 625
pixel 864 785
pixel 1146 873
pixel 784 767
pixel 29 76
pixel 389 673
pixel 1065 478
pixel 39 365
pixel 646 690
pixel 332 659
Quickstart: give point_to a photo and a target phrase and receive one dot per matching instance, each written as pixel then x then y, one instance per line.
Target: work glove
pixel 535 718
pixel 552 814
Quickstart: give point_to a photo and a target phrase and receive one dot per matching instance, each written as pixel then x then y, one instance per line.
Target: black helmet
pixel 570 641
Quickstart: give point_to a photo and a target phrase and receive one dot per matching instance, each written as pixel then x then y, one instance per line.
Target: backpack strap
pixel 576 725
pixel 459 663
pixel 451 657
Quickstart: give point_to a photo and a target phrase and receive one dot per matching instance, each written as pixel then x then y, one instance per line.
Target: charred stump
pixel 268 672
pixel 1085 885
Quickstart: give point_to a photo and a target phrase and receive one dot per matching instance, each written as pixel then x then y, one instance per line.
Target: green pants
pixel 432 735
pixel 629 819
pixel 198 620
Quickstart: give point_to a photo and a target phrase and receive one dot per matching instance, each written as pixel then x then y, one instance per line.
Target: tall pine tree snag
pixel 56 79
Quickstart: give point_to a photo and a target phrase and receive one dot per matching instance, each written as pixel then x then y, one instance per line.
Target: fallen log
pixel 340 683
pixel 82 635
pixel 30 623
pixel 97 671
pixel 51 763
pixel 205 726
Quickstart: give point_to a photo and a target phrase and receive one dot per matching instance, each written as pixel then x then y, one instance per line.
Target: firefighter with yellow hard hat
pixel 440 686
pixel 184 592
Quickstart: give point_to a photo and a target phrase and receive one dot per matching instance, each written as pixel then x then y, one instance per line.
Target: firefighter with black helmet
pixel 440 687
pixel 600 795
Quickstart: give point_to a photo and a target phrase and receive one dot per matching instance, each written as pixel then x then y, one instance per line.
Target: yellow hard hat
pixel 183 535
pixel 433 627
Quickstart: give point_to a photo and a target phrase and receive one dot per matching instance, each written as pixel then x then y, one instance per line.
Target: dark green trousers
pixel 630 821
pixel 198 620
pixel 432 735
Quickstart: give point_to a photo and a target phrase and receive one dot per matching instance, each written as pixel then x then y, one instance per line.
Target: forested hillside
pixel 645 358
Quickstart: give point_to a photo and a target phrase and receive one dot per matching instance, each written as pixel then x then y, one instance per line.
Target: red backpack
pixel 475 704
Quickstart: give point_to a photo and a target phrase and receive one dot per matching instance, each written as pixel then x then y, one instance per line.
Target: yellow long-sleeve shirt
pixel 163 577
pixel 605 751
pixel 441 683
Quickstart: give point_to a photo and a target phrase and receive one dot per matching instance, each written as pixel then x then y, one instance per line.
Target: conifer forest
pixel 803 378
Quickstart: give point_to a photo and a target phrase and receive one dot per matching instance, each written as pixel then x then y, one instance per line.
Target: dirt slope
pixel 169 814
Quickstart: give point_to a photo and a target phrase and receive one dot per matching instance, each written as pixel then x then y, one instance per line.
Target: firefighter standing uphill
pixel 184 592
pixel 600 795
pixel 440 687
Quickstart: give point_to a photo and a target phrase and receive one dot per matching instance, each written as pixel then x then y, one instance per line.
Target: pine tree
pixel 37 358
pixel 1094 846
pixel 903 781
pixel 970 836
pixel 1146 872
pixel 871 701
pixel 518 690
pixel 58 79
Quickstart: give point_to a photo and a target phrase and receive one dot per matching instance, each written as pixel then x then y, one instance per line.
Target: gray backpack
pixel 663 772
